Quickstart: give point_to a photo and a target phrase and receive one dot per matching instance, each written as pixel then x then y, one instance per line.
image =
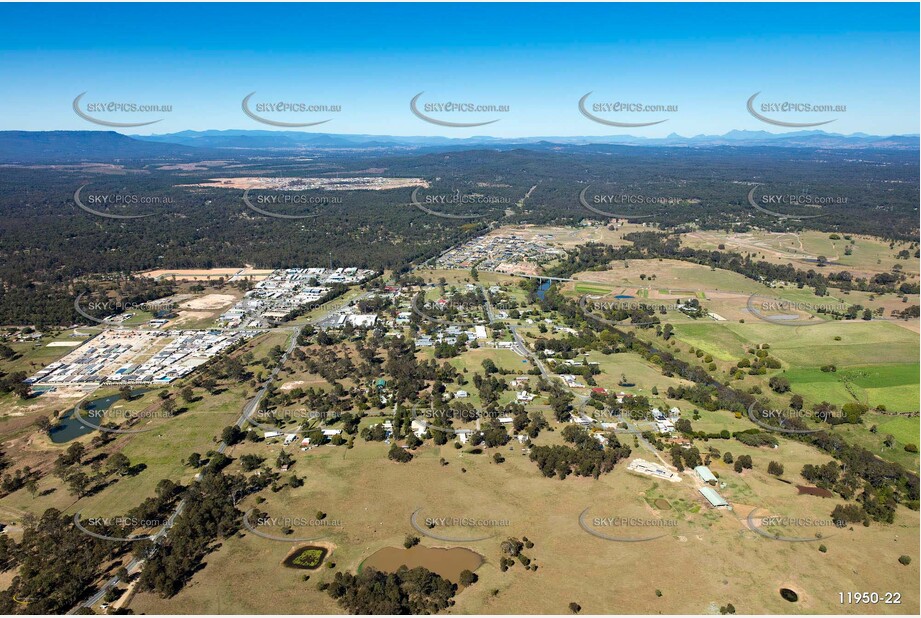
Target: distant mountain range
pixel 74 146
pixel 300 140
pixel 70 146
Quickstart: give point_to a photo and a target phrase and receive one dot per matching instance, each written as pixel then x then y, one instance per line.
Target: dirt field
pixel 307 184
pixel 869 256
pixel 209 273
pixel 568 237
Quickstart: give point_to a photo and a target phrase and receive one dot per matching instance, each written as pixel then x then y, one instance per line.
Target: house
pixel 599 391
pixel 704 474
pixel 480 332
pixel 329 433
pixel 715 500
pixel 271 434
pixel 419 427
pixel 674 413
pixel 657 414
pixel 290 438
pixel 461 394
pixel 463 435
pixel 505 419
pixel 665 426
pixel 525 396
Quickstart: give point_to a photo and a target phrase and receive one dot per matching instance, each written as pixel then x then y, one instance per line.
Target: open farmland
pixel 750 568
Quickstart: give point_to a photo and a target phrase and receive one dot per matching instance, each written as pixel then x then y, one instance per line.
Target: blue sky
pixel 538 59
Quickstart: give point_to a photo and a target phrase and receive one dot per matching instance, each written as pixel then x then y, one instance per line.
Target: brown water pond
pixel 446 561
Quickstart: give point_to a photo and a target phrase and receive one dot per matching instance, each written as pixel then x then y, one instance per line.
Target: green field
pixel 587 288
pixel 892 386
pixel 861 343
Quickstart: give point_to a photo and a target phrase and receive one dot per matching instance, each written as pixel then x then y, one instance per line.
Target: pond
pixel 306 557
pixel 542 290
pixel 789 595
pixel 448 562
pixel 69 428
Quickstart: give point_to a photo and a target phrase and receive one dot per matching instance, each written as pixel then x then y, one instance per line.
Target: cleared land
pixel 745 569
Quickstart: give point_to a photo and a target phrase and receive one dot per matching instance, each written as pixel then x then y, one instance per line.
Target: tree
pixel 250 462
pixel 43 423
pixel 118 463
pixel 575 608
pixel 775 468
pixel 467 578
pixel 410 541
pixel 284 459
pixel 168 406
pixel 406 591
pixel 232 435
pixel 676 458
pixel 399 454
pixel 194 460
pixel 75 453
pixel 187 394
pixel 779 384
pixel 78 482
